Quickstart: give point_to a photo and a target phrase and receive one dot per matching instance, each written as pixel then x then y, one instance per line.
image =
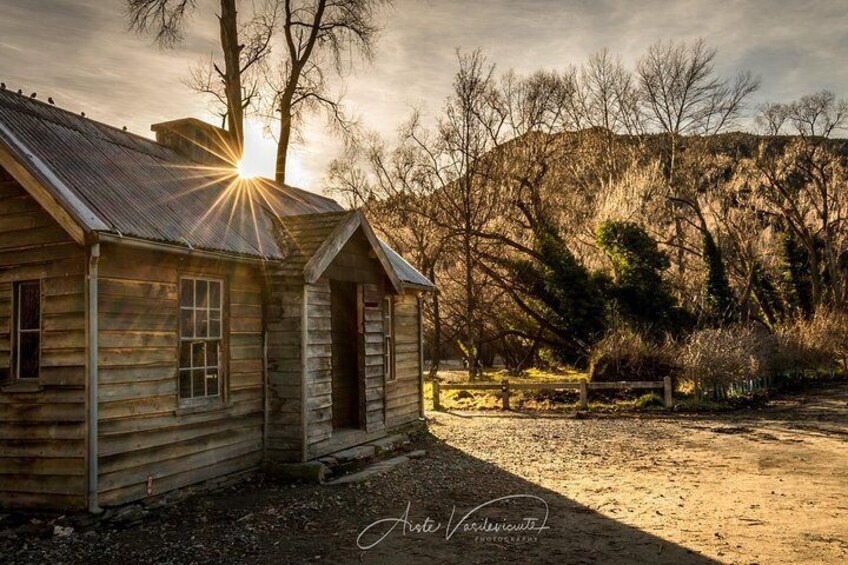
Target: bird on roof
pixel 50 100
pixel 82 114
pixel 20 91
pixel 33 95
pixel 125 128
pixel 2 86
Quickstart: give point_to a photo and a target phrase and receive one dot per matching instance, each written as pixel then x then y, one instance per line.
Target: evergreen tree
pixel 721 305
pixel 562 292
pixel 796 275
pixel 639 291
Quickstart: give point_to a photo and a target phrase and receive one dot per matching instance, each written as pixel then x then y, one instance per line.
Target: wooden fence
pixel 583 387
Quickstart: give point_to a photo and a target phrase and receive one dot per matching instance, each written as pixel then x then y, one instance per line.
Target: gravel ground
pixel 754 486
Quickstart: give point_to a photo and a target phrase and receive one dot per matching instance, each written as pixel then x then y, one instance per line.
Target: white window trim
pixel 219 339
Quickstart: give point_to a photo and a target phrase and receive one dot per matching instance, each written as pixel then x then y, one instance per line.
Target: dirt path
pixel 759 486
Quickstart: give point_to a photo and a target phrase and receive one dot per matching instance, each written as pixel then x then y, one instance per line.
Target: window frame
pixel 15 357
pixel 223 381
pixel 389 369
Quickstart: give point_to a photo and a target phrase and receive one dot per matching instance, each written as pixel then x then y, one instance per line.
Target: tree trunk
pixel 470 341
pixel 283 143
pixel 436 345
pixel 232 76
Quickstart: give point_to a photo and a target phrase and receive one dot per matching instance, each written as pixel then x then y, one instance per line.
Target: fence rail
pixel 583 387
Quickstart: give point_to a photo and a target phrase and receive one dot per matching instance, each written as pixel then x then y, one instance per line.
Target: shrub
pixel 625 355
pixel 815 343
pixel 712 359
pixel 650 400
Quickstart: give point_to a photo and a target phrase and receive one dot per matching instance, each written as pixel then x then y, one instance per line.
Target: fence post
pixel 505 394
pixel 584 395
pixel 437 402
pixel 668 392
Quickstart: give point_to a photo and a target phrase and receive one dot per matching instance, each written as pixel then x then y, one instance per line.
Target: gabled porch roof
pixel 310 243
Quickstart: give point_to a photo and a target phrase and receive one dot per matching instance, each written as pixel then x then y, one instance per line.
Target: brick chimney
pixel 197 140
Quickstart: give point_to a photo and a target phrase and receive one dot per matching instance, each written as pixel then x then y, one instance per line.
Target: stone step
pixel 354 454
pixel 373 470
pixel 390 443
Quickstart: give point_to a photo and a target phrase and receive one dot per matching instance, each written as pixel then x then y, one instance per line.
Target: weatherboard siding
pixel 285 431
pixel 42 433
pixel 403 393
pixel 144 431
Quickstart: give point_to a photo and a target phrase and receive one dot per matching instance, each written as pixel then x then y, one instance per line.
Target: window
pixel 388 333
pixel 27 337
pixel 201 309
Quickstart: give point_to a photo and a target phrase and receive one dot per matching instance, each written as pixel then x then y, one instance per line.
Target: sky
pixel 80 53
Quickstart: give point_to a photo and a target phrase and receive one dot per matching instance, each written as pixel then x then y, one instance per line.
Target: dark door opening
pixel 345 354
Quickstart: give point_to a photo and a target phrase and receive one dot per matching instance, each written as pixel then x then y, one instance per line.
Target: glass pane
pixel 214 294
pixel 187 292
pixel 214 323
pixel 198 349
pixel 201 322
pixel 186 322
pixel 212 383
pixel 212 353
pixel 30 305
pixel 185 354
pixel 198 376
pixel 28 351
pixel 202 294
pixel 185 384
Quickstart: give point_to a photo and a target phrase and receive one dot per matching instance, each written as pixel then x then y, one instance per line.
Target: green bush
pixel 650 400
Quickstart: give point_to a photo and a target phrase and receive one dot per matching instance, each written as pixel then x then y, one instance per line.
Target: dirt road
pixel 757 486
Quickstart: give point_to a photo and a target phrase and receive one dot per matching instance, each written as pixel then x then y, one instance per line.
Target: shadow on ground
pixel 267 522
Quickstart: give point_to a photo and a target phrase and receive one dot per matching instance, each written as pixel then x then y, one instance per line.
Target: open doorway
pixel 345 355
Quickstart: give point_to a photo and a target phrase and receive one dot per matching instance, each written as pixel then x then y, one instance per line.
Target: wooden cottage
pixel 164 323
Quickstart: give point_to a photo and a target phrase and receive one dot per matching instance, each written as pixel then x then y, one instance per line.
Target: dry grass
pixel 535 400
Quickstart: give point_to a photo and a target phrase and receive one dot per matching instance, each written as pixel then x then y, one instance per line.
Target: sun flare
pixel 247 169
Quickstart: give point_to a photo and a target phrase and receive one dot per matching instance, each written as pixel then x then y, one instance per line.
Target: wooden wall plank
pixel 144 430
pixel 42 434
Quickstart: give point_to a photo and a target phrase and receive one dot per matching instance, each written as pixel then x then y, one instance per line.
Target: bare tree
pixel 321 36
pixel 395 187
pixel 242 47
pixel 801 182
pixel 682 95
pixel 209 78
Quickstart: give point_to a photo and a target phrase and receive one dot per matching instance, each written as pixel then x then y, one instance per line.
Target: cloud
pixel 80 53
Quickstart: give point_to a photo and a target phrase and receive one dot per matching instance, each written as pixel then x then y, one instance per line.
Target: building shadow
pixel 574 533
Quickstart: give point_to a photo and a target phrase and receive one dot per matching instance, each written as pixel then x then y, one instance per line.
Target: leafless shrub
pixel 625 355
pixel 817 343
pixel 715 358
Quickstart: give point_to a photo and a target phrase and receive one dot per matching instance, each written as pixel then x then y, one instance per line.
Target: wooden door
pixel 345 355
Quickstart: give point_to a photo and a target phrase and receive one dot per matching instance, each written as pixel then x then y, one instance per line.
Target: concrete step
pixel 373 470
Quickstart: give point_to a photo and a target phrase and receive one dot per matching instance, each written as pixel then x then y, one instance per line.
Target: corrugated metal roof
pixel 408 274
pixel 139 188
pixel 129 185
